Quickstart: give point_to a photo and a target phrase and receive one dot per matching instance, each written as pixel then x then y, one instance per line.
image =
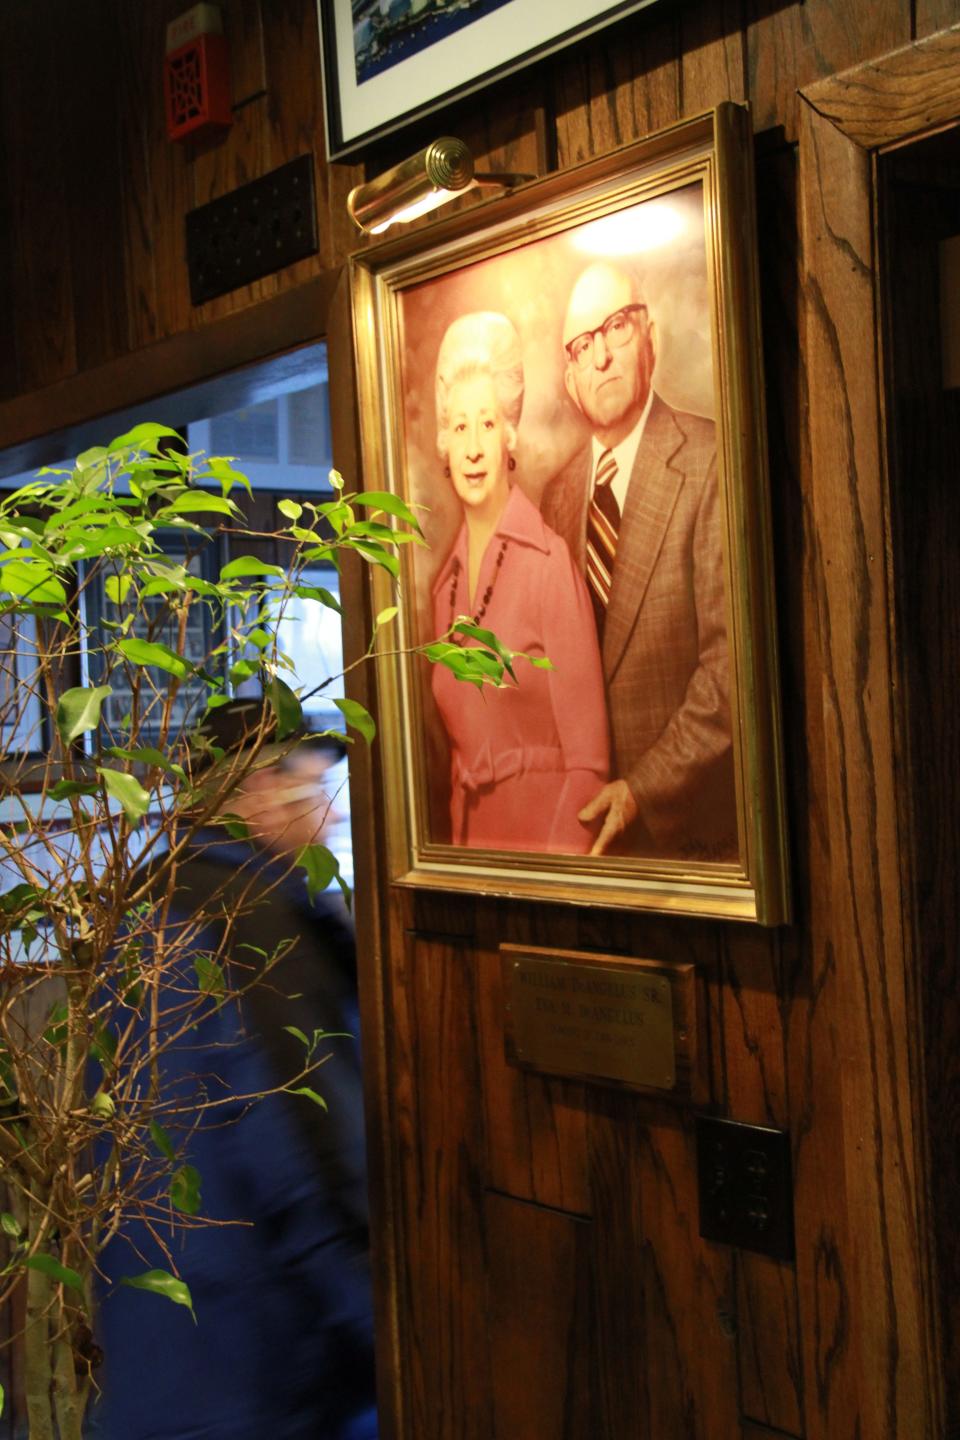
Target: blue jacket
pixel 283 1346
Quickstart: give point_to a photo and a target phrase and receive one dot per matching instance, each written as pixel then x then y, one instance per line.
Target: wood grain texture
pixel 87 43
pixel 379 925
pixel 790 46
pixel 911 90
pixel 157 191
pixel 243 27
pixel 616 87
pixel 536 1126
pixel 538 1301
pixel 748 1006
pixel 712 54
pixel 440 1141
pixel 919 204
pixel 687 1290
pixel 38 215
pixel 806 1028
pixel 932 15
pixel 881 1286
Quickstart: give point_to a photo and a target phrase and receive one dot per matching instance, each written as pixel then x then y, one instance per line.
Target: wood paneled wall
pixel 544 1227
pixel 92 195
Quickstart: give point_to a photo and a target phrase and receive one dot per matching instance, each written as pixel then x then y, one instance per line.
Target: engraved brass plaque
pixel 611 1022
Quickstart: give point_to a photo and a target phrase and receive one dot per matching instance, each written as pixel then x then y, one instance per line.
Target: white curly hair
pixel 481 343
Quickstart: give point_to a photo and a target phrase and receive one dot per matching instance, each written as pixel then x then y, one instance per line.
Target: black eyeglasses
pixel 616 330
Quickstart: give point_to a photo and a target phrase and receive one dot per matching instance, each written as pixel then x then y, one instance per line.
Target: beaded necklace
pixel 487 594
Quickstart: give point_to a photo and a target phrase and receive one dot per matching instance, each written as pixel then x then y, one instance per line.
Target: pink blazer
pixel 525 758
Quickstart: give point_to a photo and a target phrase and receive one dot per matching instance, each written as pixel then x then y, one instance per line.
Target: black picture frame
pixel 467 54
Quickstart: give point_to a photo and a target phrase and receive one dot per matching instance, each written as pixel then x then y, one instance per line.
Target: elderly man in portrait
pixel 639 508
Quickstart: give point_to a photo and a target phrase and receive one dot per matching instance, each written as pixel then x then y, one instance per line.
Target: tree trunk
pixel 38 1375
pixel 69 1394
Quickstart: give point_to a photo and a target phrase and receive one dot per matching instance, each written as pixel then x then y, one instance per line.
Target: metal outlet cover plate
pixel 253 231
pixel 745 1186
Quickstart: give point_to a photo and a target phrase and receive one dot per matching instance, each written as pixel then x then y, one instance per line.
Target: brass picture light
pixel 430 178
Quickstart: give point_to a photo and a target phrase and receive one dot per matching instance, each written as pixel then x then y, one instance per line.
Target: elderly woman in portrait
pixel 525 758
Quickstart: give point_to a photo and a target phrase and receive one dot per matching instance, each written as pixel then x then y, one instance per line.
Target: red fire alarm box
pixel 196 75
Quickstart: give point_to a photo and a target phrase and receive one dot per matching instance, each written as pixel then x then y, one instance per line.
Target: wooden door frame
pixel 847 121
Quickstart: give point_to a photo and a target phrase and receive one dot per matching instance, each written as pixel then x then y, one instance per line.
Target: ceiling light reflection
pixel 642 227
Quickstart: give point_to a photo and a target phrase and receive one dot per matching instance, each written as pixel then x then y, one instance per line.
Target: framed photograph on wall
pixel 567 382
pixel 388 62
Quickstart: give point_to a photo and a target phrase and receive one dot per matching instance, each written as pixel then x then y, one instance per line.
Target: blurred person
pixel 283 1346
pixel 525 758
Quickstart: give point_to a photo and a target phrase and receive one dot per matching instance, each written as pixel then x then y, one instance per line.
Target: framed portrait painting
pixel 386 63
pixel 566 382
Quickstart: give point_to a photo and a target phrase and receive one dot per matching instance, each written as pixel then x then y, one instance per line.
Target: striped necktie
pixel 603 523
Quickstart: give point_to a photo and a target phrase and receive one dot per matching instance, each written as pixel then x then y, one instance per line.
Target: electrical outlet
pixel 252 231
pixel 745 1186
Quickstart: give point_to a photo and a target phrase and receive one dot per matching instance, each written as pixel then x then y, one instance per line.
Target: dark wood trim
pixel 907 92
pixel 294 317
pixel 878 1061
pixel 372 924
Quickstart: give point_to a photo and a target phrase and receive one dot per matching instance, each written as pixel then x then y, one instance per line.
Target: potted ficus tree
pixel 89 1137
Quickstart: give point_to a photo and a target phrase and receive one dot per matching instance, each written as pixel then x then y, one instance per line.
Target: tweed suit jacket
pixel 665 654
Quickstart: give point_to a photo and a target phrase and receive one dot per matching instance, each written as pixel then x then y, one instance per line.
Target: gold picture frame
pixel 630 295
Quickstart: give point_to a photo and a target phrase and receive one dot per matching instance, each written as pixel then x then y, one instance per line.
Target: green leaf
pixel 32 580
pixel 286 706
pixel 486 638
pixel 195 502
pixel 336 480
pixel 10 1225
pixel 162 1141
pixel 63 789
pixel 387 615
pixel 358 717
pixel 128 791
pixel 310 1094
pixel 116 588
pixel 541 662
pixel 246 566
pixel 209 975
pixel 237 829
pixel 161 1282
pixel 146 652
pixel 297 1034
pixel 144 436
pixel 147 755
pixel 318 592
pixel 78 711
pixel 103 1106
pixel 221 470
pixel 389 504
pixel 47 1265
pixel 290 508
pixel 321 865
pixel 185 1189
pixel 374 553
pixel 94 456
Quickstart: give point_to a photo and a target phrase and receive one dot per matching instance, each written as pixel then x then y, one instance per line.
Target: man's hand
pixel 619 809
